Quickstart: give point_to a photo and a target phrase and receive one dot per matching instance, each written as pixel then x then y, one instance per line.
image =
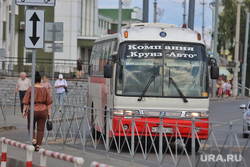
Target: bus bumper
pixel 150 127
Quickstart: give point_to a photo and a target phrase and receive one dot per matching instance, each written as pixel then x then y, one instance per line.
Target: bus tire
pixel 188 142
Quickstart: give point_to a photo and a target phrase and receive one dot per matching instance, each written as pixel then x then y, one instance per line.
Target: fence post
pixel 107 131
pixel 43 159
pixel 160 141
pixel 5 105
pixel 30 150
pixel 64 124
pixel 84 128
pixel 193 142
pixel 133 138
pixel 230 144
pixel 4 154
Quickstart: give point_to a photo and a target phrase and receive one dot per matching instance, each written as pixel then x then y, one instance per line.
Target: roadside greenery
pixel 227 28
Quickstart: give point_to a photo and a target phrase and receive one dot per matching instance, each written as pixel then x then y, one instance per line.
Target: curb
pixel 7 128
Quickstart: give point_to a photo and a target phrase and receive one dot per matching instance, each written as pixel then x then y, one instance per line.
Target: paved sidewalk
pixel 18 156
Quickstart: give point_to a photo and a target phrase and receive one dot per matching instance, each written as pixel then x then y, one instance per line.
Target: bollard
pixel 78 161
pixel 96 164
pixel 4 154
pixel 29 148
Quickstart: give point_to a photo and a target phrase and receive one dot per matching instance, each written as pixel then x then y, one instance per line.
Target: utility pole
pixel 244 65
pixel 7 34
pixel 155 11
pixel 120 16
pixel 191 14
pixel 236 51
pixel 12 34
pixel 1 23
pixel 203 18
pixel 215 41
pixel 184 12
pixel 145 11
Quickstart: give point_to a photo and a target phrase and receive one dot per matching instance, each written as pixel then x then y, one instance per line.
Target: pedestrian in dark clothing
pixel 79 68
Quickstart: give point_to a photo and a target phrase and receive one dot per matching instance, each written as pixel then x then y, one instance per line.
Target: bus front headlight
pixel 197 114
pixel 192 114
pixel 118 112
pixel 126 112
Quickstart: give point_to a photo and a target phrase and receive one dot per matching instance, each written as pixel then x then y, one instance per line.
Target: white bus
pixel 151 69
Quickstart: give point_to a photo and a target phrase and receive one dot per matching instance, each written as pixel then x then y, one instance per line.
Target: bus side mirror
pixel 214 72
pixel 108 70
pixel 214 68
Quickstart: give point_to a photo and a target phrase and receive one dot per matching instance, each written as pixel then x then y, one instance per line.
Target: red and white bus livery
pixel 151 70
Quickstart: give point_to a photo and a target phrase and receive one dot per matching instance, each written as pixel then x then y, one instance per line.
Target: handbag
pixel 49 125
pixel 66 89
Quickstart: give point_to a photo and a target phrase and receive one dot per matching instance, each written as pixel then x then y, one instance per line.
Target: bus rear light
pixel 199 36
pixel 126 34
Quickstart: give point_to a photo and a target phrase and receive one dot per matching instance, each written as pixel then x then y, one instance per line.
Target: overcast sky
pixel 173 12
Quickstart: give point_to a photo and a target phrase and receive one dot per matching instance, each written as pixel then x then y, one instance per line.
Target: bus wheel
pixel 188 142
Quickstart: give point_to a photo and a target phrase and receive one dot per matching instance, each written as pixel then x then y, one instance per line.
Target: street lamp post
pixel 244 65
pixel 236 51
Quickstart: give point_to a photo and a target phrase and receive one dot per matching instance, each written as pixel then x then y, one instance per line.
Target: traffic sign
pixel 36 2
pixel 58 32
pixel 34 29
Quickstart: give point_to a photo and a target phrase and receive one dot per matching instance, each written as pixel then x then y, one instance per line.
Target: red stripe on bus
pixel 99 80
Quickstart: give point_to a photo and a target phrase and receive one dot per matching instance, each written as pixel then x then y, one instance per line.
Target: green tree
pixel 227 29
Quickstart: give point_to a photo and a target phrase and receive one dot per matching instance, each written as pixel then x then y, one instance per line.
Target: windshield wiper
pixel 178 89
pixel 152 78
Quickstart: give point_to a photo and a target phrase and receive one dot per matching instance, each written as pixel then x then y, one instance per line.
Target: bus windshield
pixel 173 66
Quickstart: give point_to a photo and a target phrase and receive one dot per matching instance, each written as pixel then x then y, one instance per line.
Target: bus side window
pixel 92 59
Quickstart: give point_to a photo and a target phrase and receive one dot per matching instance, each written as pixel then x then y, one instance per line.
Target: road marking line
pixel 225 124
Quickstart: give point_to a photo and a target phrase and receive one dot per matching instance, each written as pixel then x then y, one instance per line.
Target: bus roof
pixel 155 32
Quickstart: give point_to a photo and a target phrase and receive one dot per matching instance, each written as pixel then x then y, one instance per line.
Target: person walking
pixel 79 68
pixel 42 101
pixel 22 85
pixel 61 84
pixel 46 84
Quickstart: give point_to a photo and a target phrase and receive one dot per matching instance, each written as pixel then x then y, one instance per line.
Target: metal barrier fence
pixel 77 161
pixel 29 149
pixel 13 66
pixel 3 104
pixel 76 125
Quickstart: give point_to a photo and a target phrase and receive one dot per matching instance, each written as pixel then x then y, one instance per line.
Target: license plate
pixel 164 130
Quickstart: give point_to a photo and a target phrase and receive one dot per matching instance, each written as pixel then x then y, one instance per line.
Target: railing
pixel 28 148
pixel 14 66
pixel 76 125
pixel 78 161
pixel 247 89
pixel 3 104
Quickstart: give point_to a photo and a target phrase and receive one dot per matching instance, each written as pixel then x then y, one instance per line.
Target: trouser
pixel 60 98
pixel 39 119
pixel 21 95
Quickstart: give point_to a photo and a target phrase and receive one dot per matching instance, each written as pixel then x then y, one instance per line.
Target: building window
pixel 28 57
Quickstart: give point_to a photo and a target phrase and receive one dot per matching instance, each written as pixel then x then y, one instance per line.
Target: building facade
pixel 82 25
